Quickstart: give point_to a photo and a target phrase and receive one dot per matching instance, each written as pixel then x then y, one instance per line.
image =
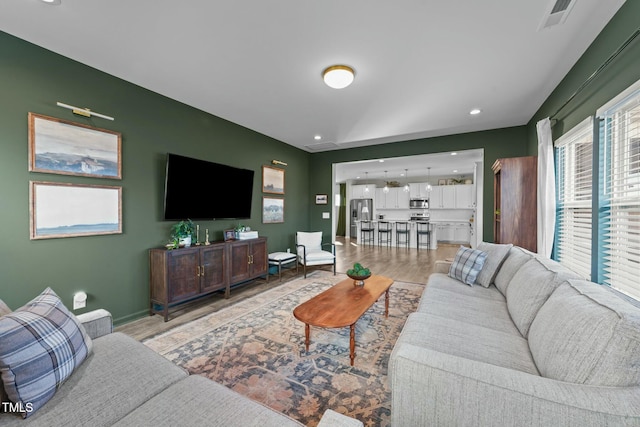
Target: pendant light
pixel 386 184
pixel 406 186
pixel 429 179
pixel 366 186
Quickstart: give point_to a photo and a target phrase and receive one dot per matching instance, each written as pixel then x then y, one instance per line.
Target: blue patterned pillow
pixel 467 265
pixel 41 344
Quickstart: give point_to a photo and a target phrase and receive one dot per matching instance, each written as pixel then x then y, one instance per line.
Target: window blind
pixel 619 211
pixel 574 156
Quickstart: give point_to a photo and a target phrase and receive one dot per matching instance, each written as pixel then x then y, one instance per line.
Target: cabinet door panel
pixel 183 280
pixel 212 261
pixel 259 258
pixel 239 261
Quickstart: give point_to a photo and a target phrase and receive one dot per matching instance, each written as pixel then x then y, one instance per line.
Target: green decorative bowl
pixel 358 280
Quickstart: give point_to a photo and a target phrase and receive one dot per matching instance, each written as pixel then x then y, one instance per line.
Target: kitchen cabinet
pixel 396 198
pixel 418 190
pixel 462 233
pixel 452 197
pixel 464 196
pixel 359 191
pixel 444 232
pixel 453 232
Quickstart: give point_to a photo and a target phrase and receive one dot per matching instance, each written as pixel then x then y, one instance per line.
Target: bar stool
pixel 367 232
pixel 402 230
pixel 423 229
pixel 384 229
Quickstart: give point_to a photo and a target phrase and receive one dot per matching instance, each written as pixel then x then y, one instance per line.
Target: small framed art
pixel 322 199
pixel 272 210
pixel 272 180
pixel 229 235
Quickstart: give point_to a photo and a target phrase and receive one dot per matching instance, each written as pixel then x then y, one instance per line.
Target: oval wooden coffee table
pixel 342 305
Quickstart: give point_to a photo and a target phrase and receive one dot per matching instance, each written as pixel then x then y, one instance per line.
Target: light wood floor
pixel 402 264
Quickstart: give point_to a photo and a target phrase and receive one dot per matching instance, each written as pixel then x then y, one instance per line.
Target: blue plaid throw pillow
pixel 467 265
pixel 41 344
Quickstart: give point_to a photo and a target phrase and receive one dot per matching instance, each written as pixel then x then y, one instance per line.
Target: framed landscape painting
pixel 67 148
pixel 272 210
pixel 71 210
pixel 272 180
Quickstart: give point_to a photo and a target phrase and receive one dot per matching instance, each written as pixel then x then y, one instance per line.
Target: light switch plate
pixel 326 215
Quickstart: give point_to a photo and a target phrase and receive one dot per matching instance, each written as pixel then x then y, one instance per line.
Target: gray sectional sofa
pixel 124 383
pixel 538 347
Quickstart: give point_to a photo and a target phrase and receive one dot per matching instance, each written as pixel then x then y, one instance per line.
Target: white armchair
pixel 310 252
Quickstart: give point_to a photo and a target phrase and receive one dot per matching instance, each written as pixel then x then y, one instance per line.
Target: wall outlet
pixel 288 250
pixel 79 300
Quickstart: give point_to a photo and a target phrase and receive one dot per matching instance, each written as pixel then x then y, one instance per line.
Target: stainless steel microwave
pixel 419 203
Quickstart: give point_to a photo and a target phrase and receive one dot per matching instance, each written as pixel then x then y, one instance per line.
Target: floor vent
pixel 556 13
pixel 322 146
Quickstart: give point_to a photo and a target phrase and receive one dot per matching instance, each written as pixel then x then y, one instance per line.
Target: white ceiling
pixel 421 66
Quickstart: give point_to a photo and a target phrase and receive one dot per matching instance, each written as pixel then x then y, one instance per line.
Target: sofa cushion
pixel 496 255
pixel 516 258
pixel 586 334
pixel 41 344
pixel 443 281
pixel 530 287
pixel 474 308
pixel 467 265
pixel 119 376
pixel 469 341
pixel 198 401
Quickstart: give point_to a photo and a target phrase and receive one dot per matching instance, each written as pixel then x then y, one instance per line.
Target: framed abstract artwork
pixel 272 180
pixel 71 210
pixel 67 148
pixel 272 210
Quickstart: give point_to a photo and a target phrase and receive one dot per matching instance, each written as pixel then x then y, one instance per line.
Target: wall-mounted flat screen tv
pixel 202 190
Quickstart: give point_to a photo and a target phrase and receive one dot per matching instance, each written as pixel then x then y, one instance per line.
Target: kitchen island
pixel 452 231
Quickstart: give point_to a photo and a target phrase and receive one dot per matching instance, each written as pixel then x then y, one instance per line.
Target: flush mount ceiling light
pixel 338 76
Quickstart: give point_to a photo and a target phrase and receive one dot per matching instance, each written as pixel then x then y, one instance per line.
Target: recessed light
pixel 475 111
pixel 52 2
pixel 454 154
pixel 381 160
pixel 317 137
pixel 455 170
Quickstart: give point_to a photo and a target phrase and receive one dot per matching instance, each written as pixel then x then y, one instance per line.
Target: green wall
pixel 498 143
pixel 616 77
pixel 113 269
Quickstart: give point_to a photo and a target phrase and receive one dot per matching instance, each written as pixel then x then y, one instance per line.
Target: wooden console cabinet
pixel 515 201
pixel 248 259
pixel 181 275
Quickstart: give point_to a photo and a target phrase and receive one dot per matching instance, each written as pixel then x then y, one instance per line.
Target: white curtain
pixel 546 189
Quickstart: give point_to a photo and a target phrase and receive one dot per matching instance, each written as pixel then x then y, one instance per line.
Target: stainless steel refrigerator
pixel 359 210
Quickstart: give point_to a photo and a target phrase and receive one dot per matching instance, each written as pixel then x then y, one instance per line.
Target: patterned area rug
pixel 256 347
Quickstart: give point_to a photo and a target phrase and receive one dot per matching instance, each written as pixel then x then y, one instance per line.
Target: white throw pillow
pixel 496 254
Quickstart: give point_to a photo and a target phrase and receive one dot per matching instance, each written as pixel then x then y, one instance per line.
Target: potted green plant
pixel 183 231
